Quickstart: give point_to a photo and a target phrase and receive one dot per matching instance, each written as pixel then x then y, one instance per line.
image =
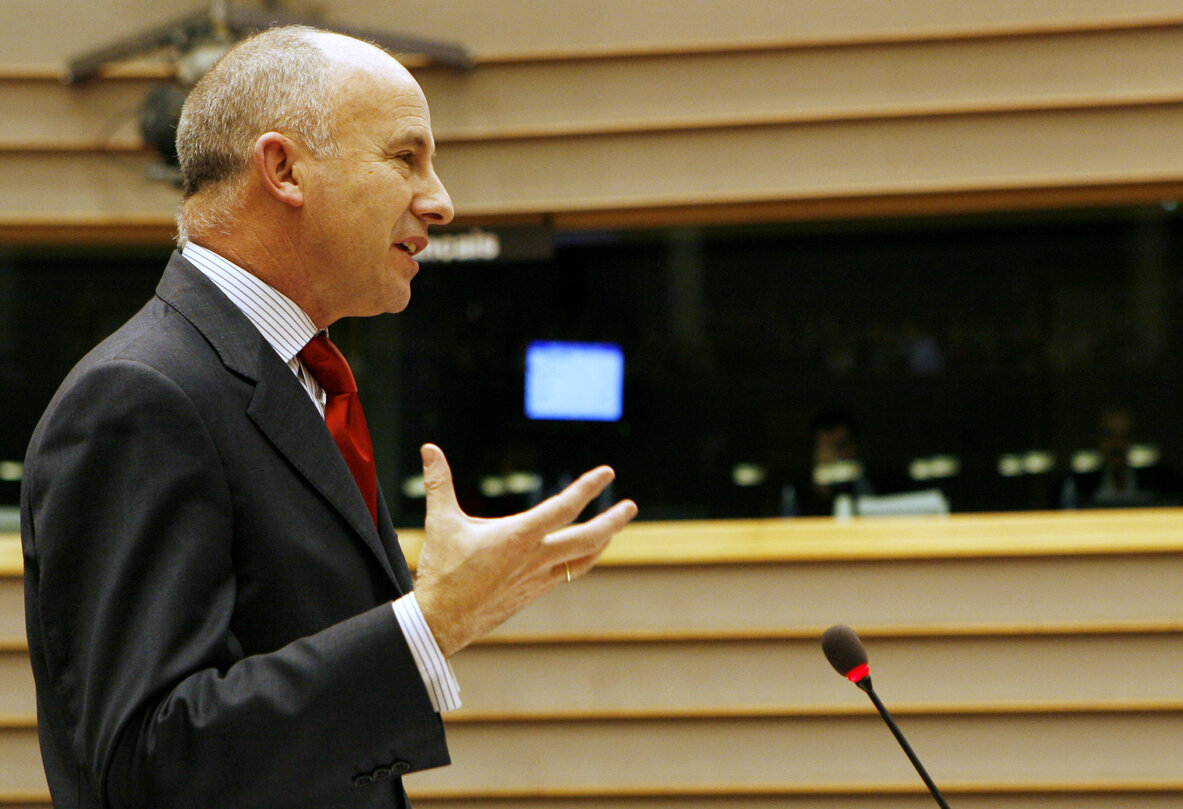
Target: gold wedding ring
pixel 567 567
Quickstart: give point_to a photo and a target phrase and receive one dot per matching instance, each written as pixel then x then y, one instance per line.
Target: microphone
pixel 847 655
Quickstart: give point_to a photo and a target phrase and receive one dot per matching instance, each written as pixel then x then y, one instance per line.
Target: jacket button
pixel 401 767
pixel 362 780
pixel 381 774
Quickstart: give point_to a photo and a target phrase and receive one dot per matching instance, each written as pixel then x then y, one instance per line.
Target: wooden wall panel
pixel 1037 149
pixel 12 605
pixel 40 186
pixel 496 27
pixel 42 113
pixel 49 33
pixel 16 684
pixel 790 109
pixel 899 799
pixel 1026 656
pixel 998 749
pixel 895 78
pixel 964 594
pixel 689 90
pixel 696 167
pixel 20 760
pixel 764 675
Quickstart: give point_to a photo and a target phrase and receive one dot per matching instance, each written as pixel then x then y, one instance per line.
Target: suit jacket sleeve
pixel 132 555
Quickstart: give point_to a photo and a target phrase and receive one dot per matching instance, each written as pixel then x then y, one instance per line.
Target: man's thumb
pixel 437 479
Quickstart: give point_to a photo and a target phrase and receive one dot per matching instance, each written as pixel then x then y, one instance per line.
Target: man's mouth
pixel 412 246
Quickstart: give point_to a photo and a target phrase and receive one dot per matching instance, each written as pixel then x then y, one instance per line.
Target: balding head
pixel 308 161
pixel 345 52
pixel 283 80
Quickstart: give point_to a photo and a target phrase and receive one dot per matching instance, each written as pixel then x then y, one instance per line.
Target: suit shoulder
pixel 157 338
pixel 156 356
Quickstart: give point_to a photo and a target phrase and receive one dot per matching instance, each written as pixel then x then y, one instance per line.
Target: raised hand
pixel 475 573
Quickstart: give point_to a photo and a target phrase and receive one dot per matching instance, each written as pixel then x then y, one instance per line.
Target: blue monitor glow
pixel 567 381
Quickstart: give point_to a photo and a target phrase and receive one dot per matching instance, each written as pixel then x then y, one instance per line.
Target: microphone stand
pixel 865 685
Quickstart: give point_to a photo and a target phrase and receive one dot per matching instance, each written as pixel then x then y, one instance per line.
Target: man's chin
pixel 397 302
pixel 388 307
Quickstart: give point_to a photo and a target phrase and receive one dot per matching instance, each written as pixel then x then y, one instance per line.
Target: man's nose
pixel 434 204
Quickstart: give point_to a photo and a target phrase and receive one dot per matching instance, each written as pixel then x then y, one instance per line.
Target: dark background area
pixel 971 336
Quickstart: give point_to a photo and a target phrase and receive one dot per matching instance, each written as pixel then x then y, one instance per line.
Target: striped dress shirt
pixel 287 329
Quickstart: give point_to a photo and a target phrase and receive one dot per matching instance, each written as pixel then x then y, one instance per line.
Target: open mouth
pixel 409 248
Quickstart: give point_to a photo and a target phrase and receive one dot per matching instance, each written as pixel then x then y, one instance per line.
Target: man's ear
pixel 276 160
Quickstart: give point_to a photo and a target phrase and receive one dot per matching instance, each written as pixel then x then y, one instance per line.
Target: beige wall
pixel 1031 659
pixel 623 113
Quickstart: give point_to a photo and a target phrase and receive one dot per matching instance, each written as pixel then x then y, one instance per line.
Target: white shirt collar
pixel 283 324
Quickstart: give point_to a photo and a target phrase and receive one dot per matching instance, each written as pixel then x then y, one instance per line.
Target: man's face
pixel 367 210
pixel 834 444
pixel 1117 432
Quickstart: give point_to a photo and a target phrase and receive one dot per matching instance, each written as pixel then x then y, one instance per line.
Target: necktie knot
pixel 325 362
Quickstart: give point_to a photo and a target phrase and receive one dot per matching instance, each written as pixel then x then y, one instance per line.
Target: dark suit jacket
pixel 207 596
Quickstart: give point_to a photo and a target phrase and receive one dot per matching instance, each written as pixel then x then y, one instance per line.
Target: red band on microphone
pixel 858 672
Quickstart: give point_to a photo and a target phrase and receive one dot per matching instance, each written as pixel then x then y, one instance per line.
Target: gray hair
pixel 278 80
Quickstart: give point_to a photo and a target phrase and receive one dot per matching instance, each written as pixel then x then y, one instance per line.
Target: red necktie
pixel 343 415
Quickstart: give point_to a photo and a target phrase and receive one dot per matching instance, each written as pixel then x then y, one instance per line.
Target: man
pixel 1115 481
pixel 837 468
pixel 217 608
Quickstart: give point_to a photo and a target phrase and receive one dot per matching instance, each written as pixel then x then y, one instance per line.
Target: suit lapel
pixel 280 406
pixel 289 419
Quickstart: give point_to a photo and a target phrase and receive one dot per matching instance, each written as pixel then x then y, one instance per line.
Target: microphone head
pixel 845 652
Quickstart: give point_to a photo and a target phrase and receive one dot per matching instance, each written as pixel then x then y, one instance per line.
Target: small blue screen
pixel 574 381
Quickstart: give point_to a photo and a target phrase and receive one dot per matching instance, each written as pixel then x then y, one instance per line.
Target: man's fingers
pixel 589 539
pixel 572 569
pixel 437 481
pixel 564 507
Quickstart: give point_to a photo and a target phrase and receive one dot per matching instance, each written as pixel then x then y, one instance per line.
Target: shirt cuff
pixel 434 668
